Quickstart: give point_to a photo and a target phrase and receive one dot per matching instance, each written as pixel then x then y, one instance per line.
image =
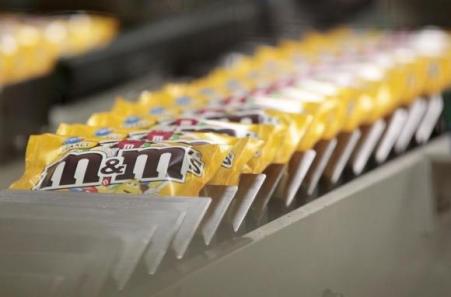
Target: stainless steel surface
pixel 394 128
pixel 135 228
pixel 415 115
pixel 432 115
pixel 324 150
pixel 346 142
pixel 248 189
pixel 193 209
pixel 370 137
pixel 222 197
pixel 298 168
pixel 274 173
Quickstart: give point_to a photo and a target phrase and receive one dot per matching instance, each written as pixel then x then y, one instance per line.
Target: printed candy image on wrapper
pixel 130 118
pixel 231 110
pixel 55 162
pixel 241 149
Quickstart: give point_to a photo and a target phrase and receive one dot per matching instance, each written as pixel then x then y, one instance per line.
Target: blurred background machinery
pixel 175 39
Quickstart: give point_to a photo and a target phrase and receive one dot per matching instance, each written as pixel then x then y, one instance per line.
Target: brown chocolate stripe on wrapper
pixel 128 166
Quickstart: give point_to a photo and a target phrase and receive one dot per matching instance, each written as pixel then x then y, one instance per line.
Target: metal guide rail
pixel 105 245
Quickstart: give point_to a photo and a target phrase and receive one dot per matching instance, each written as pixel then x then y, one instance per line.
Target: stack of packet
pixel 267 126
pixel 30 45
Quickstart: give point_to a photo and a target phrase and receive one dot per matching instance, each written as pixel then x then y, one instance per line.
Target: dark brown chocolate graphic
pixel 143 164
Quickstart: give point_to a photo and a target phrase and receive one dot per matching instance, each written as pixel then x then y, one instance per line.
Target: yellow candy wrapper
pixel 324 124
pixel 261 159
pixel 103 134
pixel 241 151
pixel 55 162
pixel 414 69
pixel 377 87
pixel 263 125
pixel 376 99
pixel 133 116
pixel 231 82
pixel 344 105
pixel 290 127
pixel 156 108
pixel 436 73
pixel 175 96
pixel 432 46
pixel 348 90
pixel 394 79
pixel 265 132
pixel 121 121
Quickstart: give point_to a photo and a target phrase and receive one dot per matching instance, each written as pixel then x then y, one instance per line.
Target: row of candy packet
pixel 30 45
pixel 261 128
